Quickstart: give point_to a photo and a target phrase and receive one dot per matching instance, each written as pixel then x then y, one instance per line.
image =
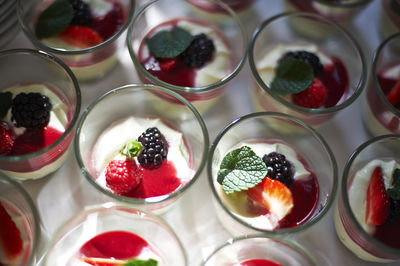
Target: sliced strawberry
pixel 394 95
pixel 102 261
pixel 167 63
pixel 10 236
pixel 377 200
pixel 274 195
pixel 80 36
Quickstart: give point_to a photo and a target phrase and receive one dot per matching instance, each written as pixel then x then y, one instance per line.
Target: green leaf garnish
pixel 54 19
pixel 169 44
pixel 137 262
pixel 132 149
pixel 5 103
pixel 394 191
pixel 241 169
pixel 292 76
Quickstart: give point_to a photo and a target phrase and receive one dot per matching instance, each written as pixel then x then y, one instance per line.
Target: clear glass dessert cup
pixel 110 217
pixel 211 83
pixel 142 100
pixel 86 63
pixel 380 115
pixel 389 18
pixel 311 149
pixel 259 247
pixel 279 31
pixel 38 67
pixel 348 228
pixel 22 211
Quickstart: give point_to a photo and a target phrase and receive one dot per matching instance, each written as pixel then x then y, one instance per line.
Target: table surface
pixel 192 217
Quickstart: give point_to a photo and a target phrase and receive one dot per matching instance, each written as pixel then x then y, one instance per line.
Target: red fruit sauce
pixel 259 262
pixel 389 233
pixel 10 236
pixel 107 25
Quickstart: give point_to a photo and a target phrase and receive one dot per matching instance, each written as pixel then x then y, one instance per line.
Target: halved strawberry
pixel 101 261
pixel 80 36
pixel 377 200
pixel 167 63
pixel 274 195
pixel 394 95
pixel 10 236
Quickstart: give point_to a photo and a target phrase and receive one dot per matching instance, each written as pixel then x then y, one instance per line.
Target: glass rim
pixel 313 220
pixel 59 63
pixel 31 36
pixel 341 4
pixel 252 62
pixel 36 216
pixel 150 200
pixel 116 206
pixel 282 241
pixel 374 70
pixel 152 78
pixel 345 198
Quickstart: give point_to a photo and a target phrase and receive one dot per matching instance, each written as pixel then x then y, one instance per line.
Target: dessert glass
pixel 310 146
pixel 280 30
pixel 255 247
pixel 389 18
pixel 348 228
pixel 142 100
pixel 39 67
pixel 87 63
pixel 22 210
pixel 380 116
pixel 95 220
pixel 157 12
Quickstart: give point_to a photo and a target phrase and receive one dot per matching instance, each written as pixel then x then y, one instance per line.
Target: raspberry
pixel 200 51
pixel 155 148
pixel 82 15
pixel 310 58
pixel 312 97
pixel 279 168
pixel 6 138
pixel 122 176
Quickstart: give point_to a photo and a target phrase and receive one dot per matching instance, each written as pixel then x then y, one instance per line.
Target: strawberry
pixel 80 36
pixel 101 261
pixel 274 195
pixel 122 176
pixel 10 236
pixel 7 138
pixel 167 63
pixel 377 200
pixel 394 95
pixel 312 97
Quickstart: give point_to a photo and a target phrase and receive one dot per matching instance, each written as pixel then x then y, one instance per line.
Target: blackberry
pixel 31 110
pixel 394 209
pixel 200 51
pixel 279 168
pixel 82 14
pixel 309 58
pixel 155 148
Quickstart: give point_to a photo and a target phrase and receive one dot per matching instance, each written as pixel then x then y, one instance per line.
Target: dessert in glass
pixel 19 225
pixel 115 234
pixel 85 34
pixel 389 18
pixel 181 51
pixel 307 77
pixel 259 250
pixel 38 112
pixel 381 107
pixel 267 181
pixel 138 151
pixel 367 216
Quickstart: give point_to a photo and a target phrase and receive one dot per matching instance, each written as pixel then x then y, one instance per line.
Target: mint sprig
pixel 292 76
pixel 54 19
pixel 241 169
pixel 132 149
pixel 138 262
pixel 169 43
pixel 394 191
pixel 5 103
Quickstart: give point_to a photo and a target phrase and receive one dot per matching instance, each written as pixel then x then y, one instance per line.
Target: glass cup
pixel 351 227
pixel 344 73
pixel 163 244
pixel 389 18
pixel 240 213
pixel 380 115
pixel 340 11
pixel 259 247
pixel 15 203
pixel 142 101
pixel 205 84
pixel 86 62
pixel 40 68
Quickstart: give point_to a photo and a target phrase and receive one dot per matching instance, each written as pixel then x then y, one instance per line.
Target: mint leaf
pixel 396 178
pixel 241 169
pixel 292 76
pixel 169 44
pixel 5 103
pixel 132 149
pixel 394 193
pixel 137 262
pixel 54 19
